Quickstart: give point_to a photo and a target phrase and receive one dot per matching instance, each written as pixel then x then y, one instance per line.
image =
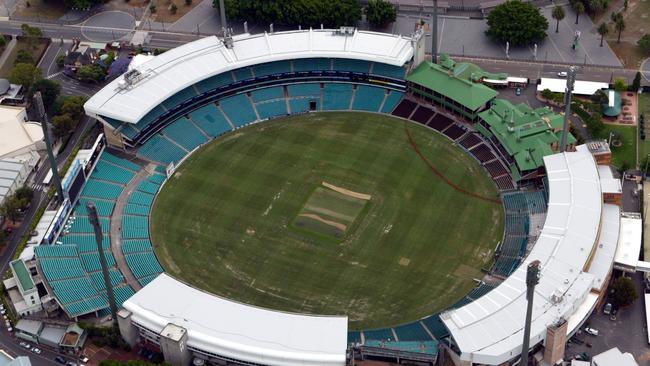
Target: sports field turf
pixel 223 222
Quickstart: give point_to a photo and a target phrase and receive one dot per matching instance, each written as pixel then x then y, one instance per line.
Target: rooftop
pixel 244 332
pixel 490 329
pixel 454 83
pixel 579 88
pixel 24 277
pixel 15 132
pixel 527 134
pixel 178 68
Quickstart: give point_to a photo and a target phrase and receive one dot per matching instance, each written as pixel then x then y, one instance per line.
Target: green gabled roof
pixel 526 134
pixel 21 272
pixel 455 87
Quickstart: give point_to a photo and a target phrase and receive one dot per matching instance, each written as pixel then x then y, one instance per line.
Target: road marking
pixel 51 76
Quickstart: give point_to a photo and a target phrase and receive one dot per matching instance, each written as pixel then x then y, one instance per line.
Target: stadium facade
pixel 166 108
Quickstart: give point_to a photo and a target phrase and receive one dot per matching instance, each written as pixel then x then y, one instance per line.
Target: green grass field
pixel 223 222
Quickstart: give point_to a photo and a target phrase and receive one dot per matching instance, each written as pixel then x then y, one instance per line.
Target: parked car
pixel 70 363
pixel 608 309
pixel 10 329
pixel 518 91
pixel 36 350
pixel 60 360
pixel 84 358
pixel 562 74
pixel 592 331
pixel 24 344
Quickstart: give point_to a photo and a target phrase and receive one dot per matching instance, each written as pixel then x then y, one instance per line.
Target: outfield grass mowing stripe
pixel 223 221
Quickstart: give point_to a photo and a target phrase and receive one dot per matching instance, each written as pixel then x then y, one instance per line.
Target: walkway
pixel 7 51
pixel 116 226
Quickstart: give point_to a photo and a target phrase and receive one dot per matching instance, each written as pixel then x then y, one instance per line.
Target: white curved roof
pixel 490 329
pixel 188 64
pixel 240 331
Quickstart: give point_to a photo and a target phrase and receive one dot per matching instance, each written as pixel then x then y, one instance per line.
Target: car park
pixel 592 331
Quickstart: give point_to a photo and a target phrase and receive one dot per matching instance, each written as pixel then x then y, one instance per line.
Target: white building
pixel 22 289
pixel 13 174
pixel 614 357
pixel 19 137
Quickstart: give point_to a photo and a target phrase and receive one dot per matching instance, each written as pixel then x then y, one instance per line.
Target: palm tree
pixel 558 14
pixel 603 30
pixel 620 27
pixel 579 8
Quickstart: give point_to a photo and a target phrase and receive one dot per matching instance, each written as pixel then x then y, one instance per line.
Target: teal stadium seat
pixel 270 68
pixel 239 109
pixel 271 109
pixel 392 100
pixel 161 150
pixel 368 98
pixel 214 82
pixel 260 95
pixel 390 71
pixel 210 120
pixel 180 97
pixel 183 132
pixel 312 64
pixel 337 96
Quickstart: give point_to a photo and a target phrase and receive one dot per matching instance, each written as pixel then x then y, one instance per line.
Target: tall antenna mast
pixel 568 91
pixel 532 279
pixel 434 33
pixel 45 125
pixel 99 237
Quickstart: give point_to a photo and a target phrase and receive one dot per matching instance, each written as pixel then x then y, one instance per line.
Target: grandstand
pixel 220 89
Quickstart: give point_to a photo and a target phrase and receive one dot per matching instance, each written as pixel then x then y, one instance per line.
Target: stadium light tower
pixel 434 33
pixel 99 237
pixel 222 12
pixel 45 125
pixel 532 279
pixel 568 91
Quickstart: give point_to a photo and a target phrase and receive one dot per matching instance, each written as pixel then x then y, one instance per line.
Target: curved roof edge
pixel 490 329
pixel 244 332
pixel 183 66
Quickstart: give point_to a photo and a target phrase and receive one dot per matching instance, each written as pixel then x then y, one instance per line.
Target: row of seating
pixel 183 135
pixel 136 244
pixel 72 266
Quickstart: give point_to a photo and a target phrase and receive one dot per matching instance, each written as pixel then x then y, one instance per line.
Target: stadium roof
pixel 243 332
pixel 527 134
pixel 453 83
pixel 490 329
pixel 190 63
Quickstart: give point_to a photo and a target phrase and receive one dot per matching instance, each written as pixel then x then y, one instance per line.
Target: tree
pixel 60 60
pixel 64 124
pixel 173 8
pixel 636 83
pixel 25 75
pixel 625 5
pixel 49 89
pixel 546 94
pixel 579 9
pixel 24 57
pixel 24 193
pixel 558 14
pixel 380 13
pixel 188 2
pixel 620 27
pixel 3 40
pixel 624 291
pixel 644 43
pixel 603 30
pixel 152 8
pixel 73 106
pixel 31 34
pixel 11 208
pixel 516 22
pixel 620 85
pixel 308 13
pixel 600 97
pixel 91 73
